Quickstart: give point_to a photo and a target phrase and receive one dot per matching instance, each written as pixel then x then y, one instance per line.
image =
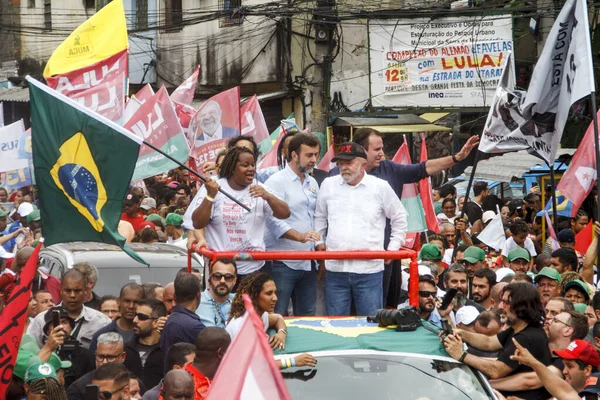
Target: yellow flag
pixel 101 36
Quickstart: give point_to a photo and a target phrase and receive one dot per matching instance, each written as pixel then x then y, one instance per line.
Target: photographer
pixel 59 341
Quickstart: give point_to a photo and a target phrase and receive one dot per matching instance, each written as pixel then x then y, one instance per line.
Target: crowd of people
pixel 520 310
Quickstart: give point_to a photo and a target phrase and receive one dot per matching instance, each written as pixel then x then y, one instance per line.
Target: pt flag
pixel 144 93
pixel 576 184
pixel 248 370
pixel 325 164
pixel 13 319
pixel 103 35
pixel 156 122
pixel 410 195
pixel 83 164
pixel 426 195
pixel 185 92
pixel 253 120
pixel 563 74
pixel 10 136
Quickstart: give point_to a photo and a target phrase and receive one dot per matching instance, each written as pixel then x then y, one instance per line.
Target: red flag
pixel 13 319
pixel 216 121
pixel 185 92
pixel 325 163
pixel 425 193
pixel 144 93
pixel 584 238
pixel 253 121
pixel 248 370
pixel 270 159
pixel 576 184
pixel 554 242
pixel 90 76
pixel 106 99
pixel 184 114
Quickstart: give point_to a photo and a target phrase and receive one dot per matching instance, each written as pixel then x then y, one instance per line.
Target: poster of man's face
pixel 209 118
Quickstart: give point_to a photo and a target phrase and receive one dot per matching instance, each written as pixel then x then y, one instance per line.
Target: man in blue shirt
pixel 215 302
pixel 397 175
pixel 299 190
pixel 183 324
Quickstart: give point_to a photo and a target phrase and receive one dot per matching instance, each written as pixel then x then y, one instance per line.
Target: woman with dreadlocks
pixel 228 226
pixel 261 289
pixel 41 383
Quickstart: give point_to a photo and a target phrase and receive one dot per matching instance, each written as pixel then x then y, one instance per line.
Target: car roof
pixel 309 334
pixel 334 353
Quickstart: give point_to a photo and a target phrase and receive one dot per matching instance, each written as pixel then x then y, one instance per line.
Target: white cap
pixel 148 203
pixel 503 273
pixel 424 270
pixel 466 315
pixel 488 216
pixel 25 209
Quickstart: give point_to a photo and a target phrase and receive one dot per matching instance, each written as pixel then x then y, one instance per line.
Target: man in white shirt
pixel 351 213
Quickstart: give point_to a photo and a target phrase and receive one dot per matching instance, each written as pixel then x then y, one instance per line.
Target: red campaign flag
pixel 144 93
pixel 13 319
pixel 425 193
pixel 248 370
pixel 106 99
pixel 253 121
pixel 584 238
pixel 184 114
pixel 325 164
pixel 270 159
pixel 576 184
pixel 216 121
pixel 88 77
pixel 185 92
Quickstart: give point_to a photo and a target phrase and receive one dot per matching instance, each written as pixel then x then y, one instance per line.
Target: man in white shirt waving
pixel 351 211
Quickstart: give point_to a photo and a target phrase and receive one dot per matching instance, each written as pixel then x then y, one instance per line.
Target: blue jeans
pixel 300 286
pixel 365 289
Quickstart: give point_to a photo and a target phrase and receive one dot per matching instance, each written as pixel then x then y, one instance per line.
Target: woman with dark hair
pixel 227 225
pixel 261 289
pixel 448 210
pixel 492 203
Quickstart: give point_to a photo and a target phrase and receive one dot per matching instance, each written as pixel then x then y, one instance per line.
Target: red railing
pixel 413 290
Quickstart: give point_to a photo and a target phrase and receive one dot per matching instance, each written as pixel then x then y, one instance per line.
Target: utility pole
pixel 324 24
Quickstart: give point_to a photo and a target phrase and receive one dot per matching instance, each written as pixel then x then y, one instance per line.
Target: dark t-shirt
pixel 533 339
pixel 473 211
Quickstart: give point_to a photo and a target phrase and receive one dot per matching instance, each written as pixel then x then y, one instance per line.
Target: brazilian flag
pixel 83 165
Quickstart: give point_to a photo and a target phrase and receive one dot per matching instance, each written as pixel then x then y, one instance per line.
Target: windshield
pixel 383 376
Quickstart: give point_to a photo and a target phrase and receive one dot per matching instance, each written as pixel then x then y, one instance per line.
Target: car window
pixel 381 376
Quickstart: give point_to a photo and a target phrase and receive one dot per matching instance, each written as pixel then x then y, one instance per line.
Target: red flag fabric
pixel 253 121
pixel 91 76
pixel 554 241
pixel 325 163
pixel 106 99
pixel 426 195
pixel 144 93
pixel 270 159
pixel 13 319
pixel 185 92
pixel 248 370
pixel 216 121
pixel 184 114
pixel 576 184
pixel 584 238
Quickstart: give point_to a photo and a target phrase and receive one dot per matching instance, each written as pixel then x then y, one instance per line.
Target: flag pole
pixel 597 154
pixel 462 211
pixel 191 171
pixel 554 207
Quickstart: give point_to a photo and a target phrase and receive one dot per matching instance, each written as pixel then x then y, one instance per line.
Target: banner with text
pixel 455 61
pixel 9 146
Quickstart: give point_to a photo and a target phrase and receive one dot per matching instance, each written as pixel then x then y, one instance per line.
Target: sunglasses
pixel 424 293
pixel 108 357
pixel 107 394
pixel 218 276
pixel 143 317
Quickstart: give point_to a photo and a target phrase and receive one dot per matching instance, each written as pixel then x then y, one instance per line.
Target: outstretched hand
pixel 522 355
pixel 467 148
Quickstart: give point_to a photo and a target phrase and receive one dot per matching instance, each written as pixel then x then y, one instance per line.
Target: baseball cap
pixel 580 307
pixel 173 184
pixel 517 253
pixel 579 285
pixel 592 385
pixel 153 218
pixel 566 236
pixel 39 370
pixel 548 272
pixel 430 252
pixel 349 151
pixel 174 219
pixel 147 224
pixel 488 216
pixel 48 317
pixel 33 216
pixel 57 363
pixel 466 315
pixel 503 272
pixel 25 209
pixel 148 203
pixel 473 254
pixel 580 350
pixel 131 198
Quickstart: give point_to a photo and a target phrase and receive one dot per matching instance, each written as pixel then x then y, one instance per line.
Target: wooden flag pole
pixel 597 154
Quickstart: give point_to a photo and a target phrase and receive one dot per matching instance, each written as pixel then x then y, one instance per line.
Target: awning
pixel 404 123
pixel 433 117
pixel 15 93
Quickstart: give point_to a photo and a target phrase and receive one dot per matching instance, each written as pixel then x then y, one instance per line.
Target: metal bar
pixel 554 207
pixel 597 154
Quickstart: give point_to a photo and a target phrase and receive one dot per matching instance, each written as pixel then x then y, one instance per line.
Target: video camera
pixel 406 318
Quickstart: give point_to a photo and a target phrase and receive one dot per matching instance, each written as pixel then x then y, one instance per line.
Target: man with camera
pixel 59 341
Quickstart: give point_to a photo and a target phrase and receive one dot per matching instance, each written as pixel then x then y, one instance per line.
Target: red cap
pixel 582 351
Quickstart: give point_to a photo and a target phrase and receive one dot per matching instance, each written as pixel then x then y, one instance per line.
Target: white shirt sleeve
pixel 321 211
pixel 395 211
pixel 198 199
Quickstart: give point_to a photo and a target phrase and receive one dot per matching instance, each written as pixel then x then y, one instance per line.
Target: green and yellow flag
pixel 83 165
pixel 102 35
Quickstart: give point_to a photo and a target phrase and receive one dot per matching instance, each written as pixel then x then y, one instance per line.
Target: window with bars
pixel 31 4
pixel 173 15
pixel 141 14
pixel 48 15
pixel 230 8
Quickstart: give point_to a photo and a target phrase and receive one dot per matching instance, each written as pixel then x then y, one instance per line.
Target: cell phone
pixel 92 392
pixel 447 327
pixel 448 297
pixel 56 318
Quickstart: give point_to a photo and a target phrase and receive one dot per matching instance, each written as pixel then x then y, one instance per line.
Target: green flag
pixel 83 164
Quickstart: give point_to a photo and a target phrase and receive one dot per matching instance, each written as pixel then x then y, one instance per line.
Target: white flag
pixel 562 75
pixel 493 235
pixel 1 114
pixel 9 147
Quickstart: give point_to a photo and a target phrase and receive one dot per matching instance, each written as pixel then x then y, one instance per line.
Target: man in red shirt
pixel 211 345
pixel 131 211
